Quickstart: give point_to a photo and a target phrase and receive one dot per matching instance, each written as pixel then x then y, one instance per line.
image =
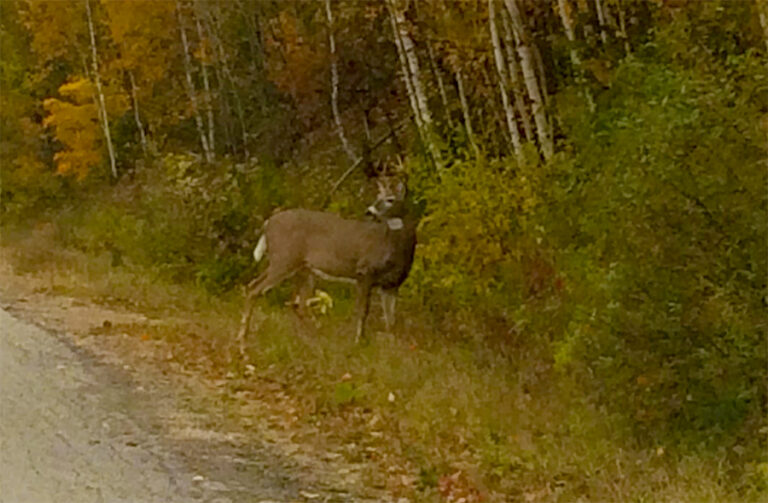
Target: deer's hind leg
pixel 266 280
pixel 363 303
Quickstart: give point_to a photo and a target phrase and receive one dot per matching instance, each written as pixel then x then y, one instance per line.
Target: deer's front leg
pixel 363 303
pixel 303 292
pixel 388 301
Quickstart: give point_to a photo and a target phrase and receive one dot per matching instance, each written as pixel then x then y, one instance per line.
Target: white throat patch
pixel 395 223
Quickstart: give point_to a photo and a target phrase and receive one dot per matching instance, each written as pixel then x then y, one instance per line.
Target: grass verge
pixel 431 417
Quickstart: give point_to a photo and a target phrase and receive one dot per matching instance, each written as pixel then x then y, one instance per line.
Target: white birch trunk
pixel 226 117
pixel 501 69
pixel 762 12
pixel 191 92
pixel 208 98
pixel 514 79
pixel 409 49
pixel 465 112
pixel 136 114
pixel 335 86
pixel 440 84
pixel 223 62
pixel 101 103
pixel 406 75
pixel 531 82
pixel 412 73
pixel 601 21
pixel 623 28
pixel 565 16
pixel 564 9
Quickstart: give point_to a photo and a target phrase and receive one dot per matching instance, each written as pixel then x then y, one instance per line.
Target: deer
pixel 370 254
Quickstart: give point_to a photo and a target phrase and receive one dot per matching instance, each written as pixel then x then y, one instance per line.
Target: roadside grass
pixel 436 416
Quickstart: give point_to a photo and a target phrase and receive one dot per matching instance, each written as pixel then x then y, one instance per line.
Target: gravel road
pixel 74 429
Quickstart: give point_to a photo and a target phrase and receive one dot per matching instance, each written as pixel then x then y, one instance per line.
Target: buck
pixel 370 254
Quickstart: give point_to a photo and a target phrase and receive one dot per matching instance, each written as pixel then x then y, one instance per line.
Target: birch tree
pixel 762 12
pixel 137 114
pixel 623 27
pixel 514 79
pixel 139 28
pixel 465 112
pixel 601 21
pixel 335 85
pixel 101 103
pixel 501 69
pixel 531 82
pixel 191 92
pixel 564 9
pixel 412 78
pixel 205 59
pixel 440 84
pixel 406 76
pixel 229 78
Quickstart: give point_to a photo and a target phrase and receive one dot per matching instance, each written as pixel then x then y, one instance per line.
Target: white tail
pixel 368 253
pixel 261 248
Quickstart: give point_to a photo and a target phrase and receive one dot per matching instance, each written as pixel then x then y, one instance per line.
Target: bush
pixel 669 255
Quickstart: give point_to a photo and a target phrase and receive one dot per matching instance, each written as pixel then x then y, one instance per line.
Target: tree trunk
pixel 191 87
pixel 335 86
pixel 136 115
pixel 514 79
pixel 409 50
pixel 101 103
pixel 440 84
pixel 465 112
pixel 531 82
pixel 231 83
pixel 501 69
pixel 762 12
pixel 565 16
pixel 601 21
pixel 226 118
pixel 208 98
pixel 406 76
pixel 623 28
pixel 412 72
pixel 564 9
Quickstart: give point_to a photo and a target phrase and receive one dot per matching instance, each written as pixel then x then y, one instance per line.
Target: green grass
pixel 451 416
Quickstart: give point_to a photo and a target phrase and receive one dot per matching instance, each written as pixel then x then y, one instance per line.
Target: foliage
pixel 670 257
pixel 477 204
pixel 77 128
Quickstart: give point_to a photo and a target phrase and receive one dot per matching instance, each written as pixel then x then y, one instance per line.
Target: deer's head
pixel 390 200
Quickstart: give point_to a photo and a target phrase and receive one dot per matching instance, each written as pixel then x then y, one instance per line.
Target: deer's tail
pixel 261 248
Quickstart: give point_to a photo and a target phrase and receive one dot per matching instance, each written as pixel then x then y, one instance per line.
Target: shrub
pixel 669 256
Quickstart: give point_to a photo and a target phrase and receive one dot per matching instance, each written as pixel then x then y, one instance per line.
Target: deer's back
pixel 337 246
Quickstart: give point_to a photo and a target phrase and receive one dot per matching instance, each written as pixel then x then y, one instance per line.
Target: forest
pixel 586 316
